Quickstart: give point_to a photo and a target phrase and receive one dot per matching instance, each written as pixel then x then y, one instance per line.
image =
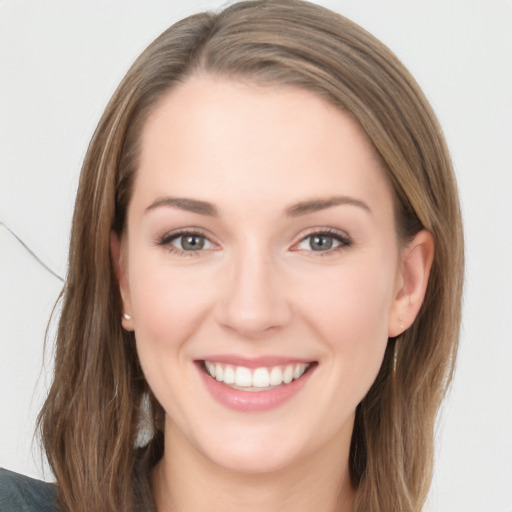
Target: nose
pixel 253 301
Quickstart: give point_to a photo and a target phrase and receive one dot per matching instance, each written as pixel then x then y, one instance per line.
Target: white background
pixel 59 63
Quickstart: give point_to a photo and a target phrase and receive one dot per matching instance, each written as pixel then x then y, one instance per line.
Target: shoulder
pixel 19 493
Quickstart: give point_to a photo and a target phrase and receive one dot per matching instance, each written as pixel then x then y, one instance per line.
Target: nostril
pixel 253 318
pixel 253 301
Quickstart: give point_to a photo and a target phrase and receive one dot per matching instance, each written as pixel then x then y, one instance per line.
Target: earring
pixel 400 319
pixel 126 316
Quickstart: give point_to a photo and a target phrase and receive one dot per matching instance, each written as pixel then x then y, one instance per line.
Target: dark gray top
pixel 20 493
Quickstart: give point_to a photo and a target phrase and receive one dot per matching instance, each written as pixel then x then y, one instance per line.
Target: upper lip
pixel 254 362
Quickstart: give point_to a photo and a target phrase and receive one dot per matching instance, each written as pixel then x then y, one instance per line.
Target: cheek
pixel 168 303
pixel 351 316
pixel 355 299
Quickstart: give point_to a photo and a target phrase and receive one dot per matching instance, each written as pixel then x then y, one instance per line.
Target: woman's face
pixel 260 249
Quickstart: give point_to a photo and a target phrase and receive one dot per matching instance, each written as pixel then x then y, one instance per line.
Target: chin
pixel 248 461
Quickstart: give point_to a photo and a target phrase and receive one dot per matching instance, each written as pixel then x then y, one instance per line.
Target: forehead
pixel 220 139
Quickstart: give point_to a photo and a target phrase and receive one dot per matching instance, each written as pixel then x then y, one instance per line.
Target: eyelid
pixel 344 238
pixel 166 239
pixel 170 235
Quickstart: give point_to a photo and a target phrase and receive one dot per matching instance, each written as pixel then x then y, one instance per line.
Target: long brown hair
pixel 90 420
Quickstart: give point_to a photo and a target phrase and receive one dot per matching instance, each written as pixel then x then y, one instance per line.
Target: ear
pixel 119 263
pixel 411 283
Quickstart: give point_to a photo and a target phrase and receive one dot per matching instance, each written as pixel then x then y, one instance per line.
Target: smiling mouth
pixel 255 379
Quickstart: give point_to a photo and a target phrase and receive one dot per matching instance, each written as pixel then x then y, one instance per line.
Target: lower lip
pixel 253 401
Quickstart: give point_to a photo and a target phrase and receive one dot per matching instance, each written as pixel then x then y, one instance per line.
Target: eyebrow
pixel 183 203
pixel 295 210
pixel 315 205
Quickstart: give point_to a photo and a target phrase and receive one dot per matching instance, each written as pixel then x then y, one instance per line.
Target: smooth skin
pixel 295 254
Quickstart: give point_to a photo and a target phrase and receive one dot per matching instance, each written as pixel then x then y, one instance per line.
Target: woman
pixel 263 297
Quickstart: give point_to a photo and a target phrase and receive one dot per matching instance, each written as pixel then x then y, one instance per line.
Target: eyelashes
pixel 194 242
pixel 186 242
pixel 324 241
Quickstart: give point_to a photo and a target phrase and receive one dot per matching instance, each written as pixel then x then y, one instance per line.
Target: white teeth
pixel 210 367
pixel 260 378
pixel 229 375
pixel 243 377
pixel 276 376
pixel 299 370
pixel 219 372
pixel 288 374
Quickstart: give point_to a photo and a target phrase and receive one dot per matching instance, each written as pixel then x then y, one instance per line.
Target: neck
pixel 185 481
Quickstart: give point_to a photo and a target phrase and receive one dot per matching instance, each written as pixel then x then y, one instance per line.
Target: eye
pixel 192 242
pixel 324 242
pixel 186 242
